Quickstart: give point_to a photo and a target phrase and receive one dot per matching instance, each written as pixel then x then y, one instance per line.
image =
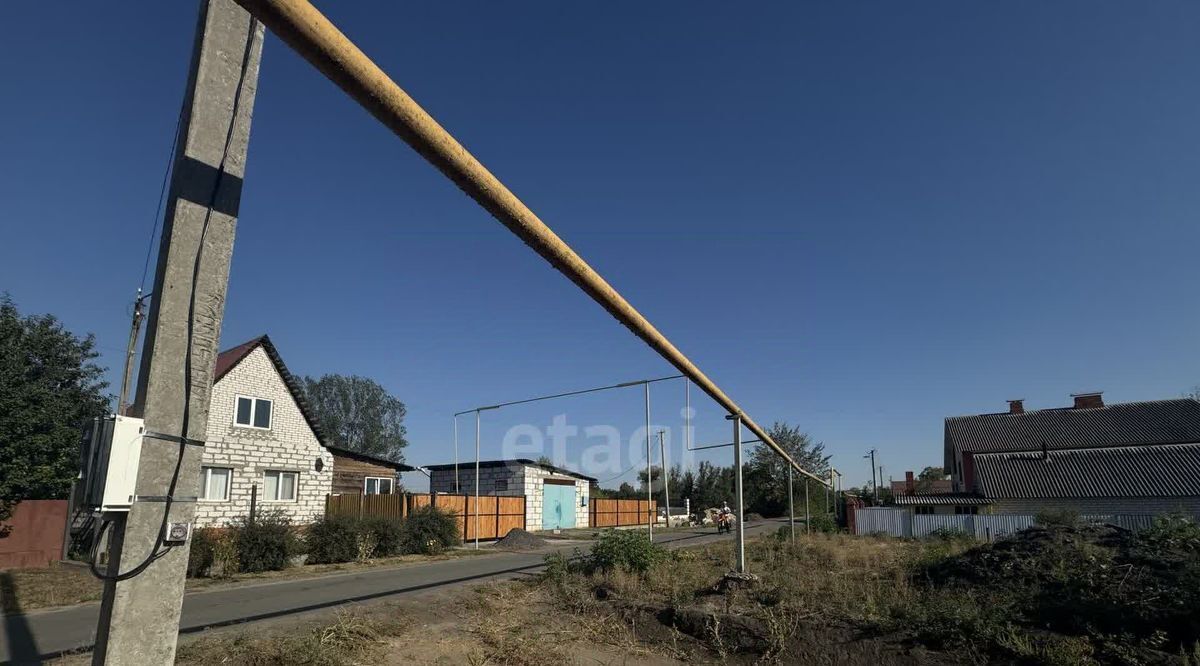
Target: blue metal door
pixel 558 506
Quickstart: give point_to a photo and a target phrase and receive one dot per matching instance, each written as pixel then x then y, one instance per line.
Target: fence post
pixel 254 502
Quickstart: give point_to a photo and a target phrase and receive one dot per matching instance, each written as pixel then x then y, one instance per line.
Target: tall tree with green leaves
pixel 359 414
pixel 768 492
pixel 50 386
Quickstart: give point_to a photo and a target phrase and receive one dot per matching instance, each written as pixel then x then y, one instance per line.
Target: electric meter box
pixel 112 448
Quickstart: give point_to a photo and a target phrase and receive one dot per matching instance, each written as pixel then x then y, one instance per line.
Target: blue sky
pixel 856 217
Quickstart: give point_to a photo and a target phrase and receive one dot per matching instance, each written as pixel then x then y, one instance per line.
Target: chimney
pixel 1016 406
pixel 1088 400
pixel 909 485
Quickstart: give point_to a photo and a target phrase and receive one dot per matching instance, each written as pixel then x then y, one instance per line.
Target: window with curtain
pixel 280 486
pixel 377 485
pixel 214 483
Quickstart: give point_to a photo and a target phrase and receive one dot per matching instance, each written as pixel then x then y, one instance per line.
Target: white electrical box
pixel 112 448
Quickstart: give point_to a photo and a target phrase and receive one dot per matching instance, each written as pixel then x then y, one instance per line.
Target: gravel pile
pixel 519 539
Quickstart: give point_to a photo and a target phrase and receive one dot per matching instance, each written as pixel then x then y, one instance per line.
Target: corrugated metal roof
pixel 1165 470
pixel 1154 422
pixel 958 499
pixel 513 463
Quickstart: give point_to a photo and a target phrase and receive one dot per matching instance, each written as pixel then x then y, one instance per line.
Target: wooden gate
pixel 621 512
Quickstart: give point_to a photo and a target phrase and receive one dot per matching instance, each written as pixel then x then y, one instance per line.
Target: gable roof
pixel 516 462
pixel 1166 470
pixel 1124 424
pixel 228 360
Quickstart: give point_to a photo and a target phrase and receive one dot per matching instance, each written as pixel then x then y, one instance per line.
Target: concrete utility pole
pixel 874 486
pixel 131 351
pixel 139 617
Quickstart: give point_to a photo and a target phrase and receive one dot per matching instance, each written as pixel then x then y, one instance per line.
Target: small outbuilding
pixel 555 498
pixel 357 473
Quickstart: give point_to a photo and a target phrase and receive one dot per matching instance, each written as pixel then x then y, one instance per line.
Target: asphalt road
pixel 32 637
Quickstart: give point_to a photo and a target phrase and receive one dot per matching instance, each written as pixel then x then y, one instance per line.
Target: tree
pixel 359 414
pixel 926 478
pixel 626 491
pixel 49 387
pixel 1194 394
pixel 765 478
pixel 655 475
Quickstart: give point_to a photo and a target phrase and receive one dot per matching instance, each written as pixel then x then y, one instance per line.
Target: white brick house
pixel 554 497
pixel 259 435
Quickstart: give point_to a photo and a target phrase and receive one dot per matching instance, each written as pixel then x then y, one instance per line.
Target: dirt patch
pixel 519 539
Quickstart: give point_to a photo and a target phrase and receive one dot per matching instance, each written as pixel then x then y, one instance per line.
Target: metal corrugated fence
pixel 875 520
pixel 985 527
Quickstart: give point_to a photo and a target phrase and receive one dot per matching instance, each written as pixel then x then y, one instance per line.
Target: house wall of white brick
pixel 526 480
pixel 289 445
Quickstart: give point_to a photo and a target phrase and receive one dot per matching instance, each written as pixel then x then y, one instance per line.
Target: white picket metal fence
pixel 985 527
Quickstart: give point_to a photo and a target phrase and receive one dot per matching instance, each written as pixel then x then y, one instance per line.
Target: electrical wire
pixel 162 195
pixel 156 553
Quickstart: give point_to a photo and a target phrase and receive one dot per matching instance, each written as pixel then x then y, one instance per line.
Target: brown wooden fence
pixel 497 515
pixel 621 512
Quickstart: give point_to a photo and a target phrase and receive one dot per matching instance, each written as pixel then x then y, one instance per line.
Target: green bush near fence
pixel 387 534
pixel 266 544
pixel 332 540
pixel 429 530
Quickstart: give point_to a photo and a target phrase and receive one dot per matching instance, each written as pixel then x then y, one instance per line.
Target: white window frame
pixel 279 485
pixel 253 410
pixel 391 485
pixel 205 479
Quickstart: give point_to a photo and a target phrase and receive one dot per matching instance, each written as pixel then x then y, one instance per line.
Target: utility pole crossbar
pixel 317 40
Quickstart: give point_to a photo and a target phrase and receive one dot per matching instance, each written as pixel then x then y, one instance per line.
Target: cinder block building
pixel 555 498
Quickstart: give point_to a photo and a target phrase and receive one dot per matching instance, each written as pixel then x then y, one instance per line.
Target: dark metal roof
pixel 366 457
pixel 1164 470
pixel 958 499
pixel 1154 422
pixel 515 462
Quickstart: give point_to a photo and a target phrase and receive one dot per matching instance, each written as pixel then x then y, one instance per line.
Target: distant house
pixel 1096 459
pixel 264 442
pixel 554 497
pixel 911 486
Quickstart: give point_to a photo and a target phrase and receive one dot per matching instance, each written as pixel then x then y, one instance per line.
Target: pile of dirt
pixel 519 539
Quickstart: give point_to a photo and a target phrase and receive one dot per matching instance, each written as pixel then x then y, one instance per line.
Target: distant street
pixel 43 634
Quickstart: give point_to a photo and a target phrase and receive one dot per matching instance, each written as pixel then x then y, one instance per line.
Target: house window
pixel 279 486
pixel 966 510
pixel 377 485
pixel 501 485
pixel 253 413
pixel 214 483
pixel 923 510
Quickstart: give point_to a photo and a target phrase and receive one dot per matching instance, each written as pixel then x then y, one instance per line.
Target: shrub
pixel 200 557
pixel 627 550
pixel 213 553
pixel 429 530
pixel 950 534
pixel 387 534
pixel 823 522
pixel 265 544
pixel 332 540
